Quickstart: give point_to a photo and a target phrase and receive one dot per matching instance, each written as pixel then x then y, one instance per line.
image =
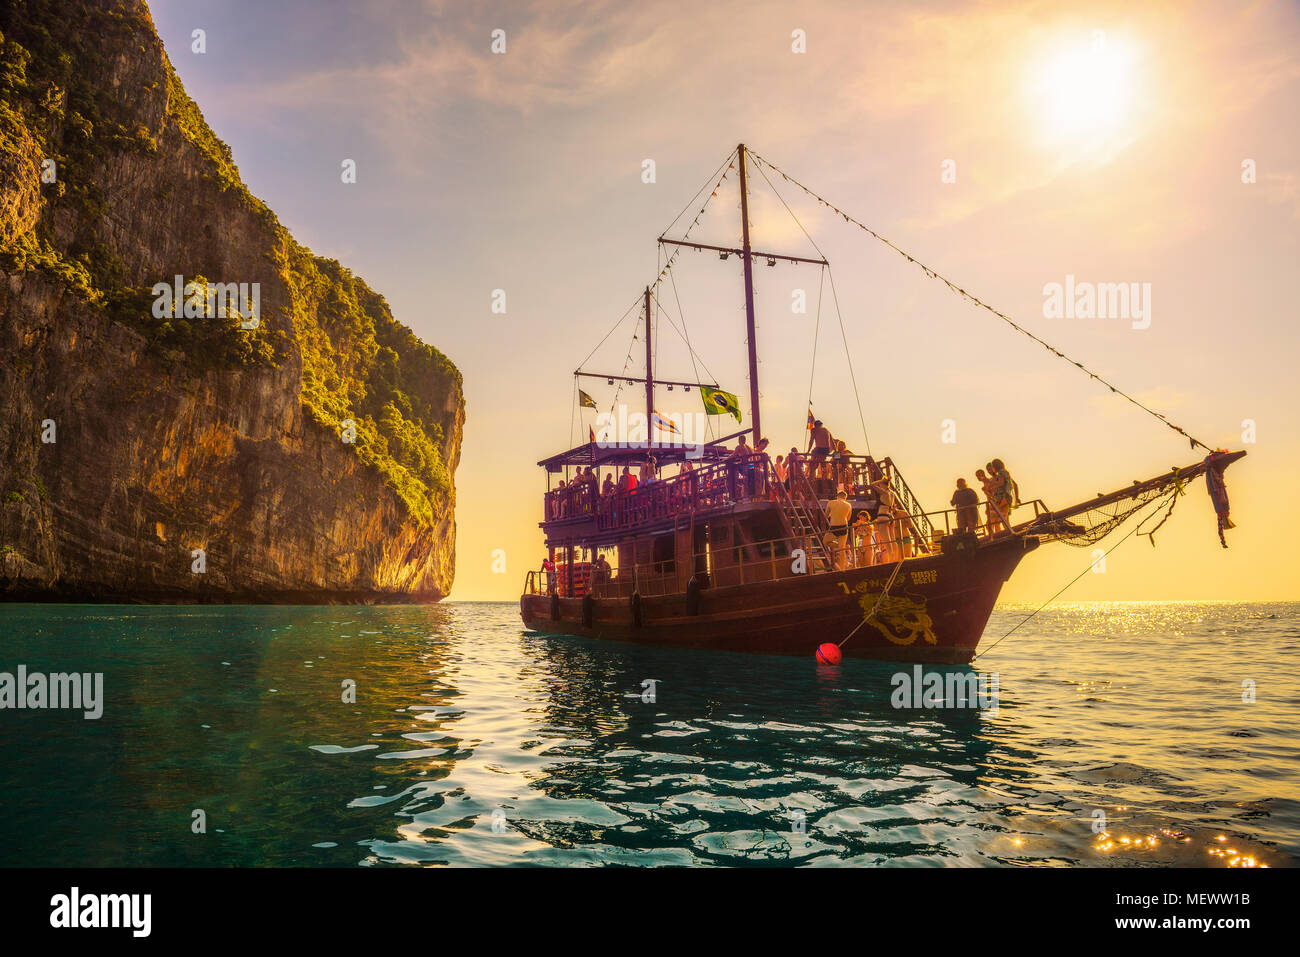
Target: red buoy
pixel 829 654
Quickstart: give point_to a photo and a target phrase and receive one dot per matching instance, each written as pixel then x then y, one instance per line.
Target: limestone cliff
pixel 308 451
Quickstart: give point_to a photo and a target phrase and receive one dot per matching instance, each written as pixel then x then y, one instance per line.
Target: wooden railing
pixel 867 546
pixel 706 487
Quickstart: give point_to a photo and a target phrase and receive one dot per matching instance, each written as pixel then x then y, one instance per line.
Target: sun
pixel 1081 96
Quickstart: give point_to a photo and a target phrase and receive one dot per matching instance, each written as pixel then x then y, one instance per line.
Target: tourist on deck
pixel 548 568
pixel 863 530
pixel 1004 490
pixel 608 488
pixel 886 531
pixel 1001 493
pixel 627 481
pixel 600 571
pixel 1011 489
pixel 838 513
pixel 782 471
pixel 648 469
pixel 840 462
pixel 819 445
pixel 991 520
pixel 869 499
pixel 737 463
pixel 757 469
pixel 967 502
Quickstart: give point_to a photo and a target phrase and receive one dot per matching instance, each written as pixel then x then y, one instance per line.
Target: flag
pixel 586 401
pixel 717 402
pixel 591 432
pixel 811 420
pixel 659 421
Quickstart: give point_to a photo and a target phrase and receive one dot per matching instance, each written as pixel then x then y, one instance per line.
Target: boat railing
pixel 706 487
pixel 880 542
pixel 754 478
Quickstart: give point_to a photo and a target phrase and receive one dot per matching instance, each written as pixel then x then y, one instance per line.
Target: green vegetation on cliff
pixel 76 81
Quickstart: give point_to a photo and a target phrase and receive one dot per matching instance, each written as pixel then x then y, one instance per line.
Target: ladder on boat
pixel 805 526
pixel 916 516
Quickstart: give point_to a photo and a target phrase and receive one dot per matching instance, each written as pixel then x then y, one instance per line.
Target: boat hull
pixel 935 611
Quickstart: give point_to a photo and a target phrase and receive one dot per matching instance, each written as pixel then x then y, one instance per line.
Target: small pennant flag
pixel 659 422
pixel 586 401
pixel 592 433
pixel 717 402
pixel 811 420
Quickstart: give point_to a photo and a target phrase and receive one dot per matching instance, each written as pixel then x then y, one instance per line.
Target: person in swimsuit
pixel 862 531
pixel 1003 494
pixel 838 513
pixel 986 483
pixel 820 444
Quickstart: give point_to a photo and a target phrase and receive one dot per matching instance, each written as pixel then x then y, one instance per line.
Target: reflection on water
pixel 1121 739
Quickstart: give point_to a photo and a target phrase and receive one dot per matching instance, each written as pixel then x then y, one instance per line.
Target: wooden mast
pixel 749 301
pixel 649 379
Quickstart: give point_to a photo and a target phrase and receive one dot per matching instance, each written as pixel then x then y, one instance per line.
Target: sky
pixel 1007 146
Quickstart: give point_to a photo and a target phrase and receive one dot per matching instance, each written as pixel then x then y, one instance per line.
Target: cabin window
pixel 766 529
pixel 664 553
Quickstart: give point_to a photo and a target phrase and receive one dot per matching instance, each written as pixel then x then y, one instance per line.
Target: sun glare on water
pixel 1082 97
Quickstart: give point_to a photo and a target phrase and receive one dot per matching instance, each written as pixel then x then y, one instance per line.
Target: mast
pixel 649 378
pixel 749 300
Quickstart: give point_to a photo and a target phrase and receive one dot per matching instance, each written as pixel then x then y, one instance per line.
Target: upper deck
pixel 579 513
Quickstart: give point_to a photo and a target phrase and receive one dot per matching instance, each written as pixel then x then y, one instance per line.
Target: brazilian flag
pixel 717 402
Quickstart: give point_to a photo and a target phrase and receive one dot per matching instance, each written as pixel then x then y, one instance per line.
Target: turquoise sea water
pixel 474 742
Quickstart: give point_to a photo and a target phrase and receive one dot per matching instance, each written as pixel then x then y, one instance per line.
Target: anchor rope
pixel 1136 529
pixel 879 598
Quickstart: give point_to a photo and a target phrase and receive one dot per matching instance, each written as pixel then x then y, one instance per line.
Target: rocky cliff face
pixel 156 455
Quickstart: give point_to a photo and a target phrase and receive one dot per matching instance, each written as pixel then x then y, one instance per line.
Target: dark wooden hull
pixel 935 612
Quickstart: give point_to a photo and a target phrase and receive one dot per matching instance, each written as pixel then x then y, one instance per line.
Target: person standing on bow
pixel 1003 491
pixel 967 503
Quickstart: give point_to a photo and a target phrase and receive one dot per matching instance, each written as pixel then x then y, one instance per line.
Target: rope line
pixel 853 377
pixel 1135 529
pixel 857 396
pixel 931 273
pixel 817 331
pixel 879 598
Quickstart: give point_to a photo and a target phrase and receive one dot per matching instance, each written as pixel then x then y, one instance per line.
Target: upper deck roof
pixel 625 453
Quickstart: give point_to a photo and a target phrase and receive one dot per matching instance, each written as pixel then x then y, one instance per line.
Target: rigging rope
pixel 857 396
pixel 690 350
pixel 817 331
pixel 667 266
pixel 1135 529
pixel 965 295
pixel 725 165
pixel 852 375
pixel 879 598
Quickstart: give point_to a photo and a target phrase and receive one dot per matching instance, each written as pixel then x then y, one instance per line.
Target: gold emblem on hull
pixel 899 618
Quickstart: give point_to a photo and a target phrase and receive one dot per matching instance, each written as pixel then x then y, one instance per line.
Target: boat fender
pixel 588 610
pixel 555 607
pixel 636 609
pixel 693 596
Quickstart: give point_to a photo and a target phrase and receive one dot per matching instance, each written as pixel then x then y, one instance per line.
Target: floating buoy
pixel 829 654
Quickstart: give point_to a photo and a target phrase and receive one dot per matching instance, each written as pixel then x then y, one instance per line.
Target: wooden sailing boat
pixel 730 556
